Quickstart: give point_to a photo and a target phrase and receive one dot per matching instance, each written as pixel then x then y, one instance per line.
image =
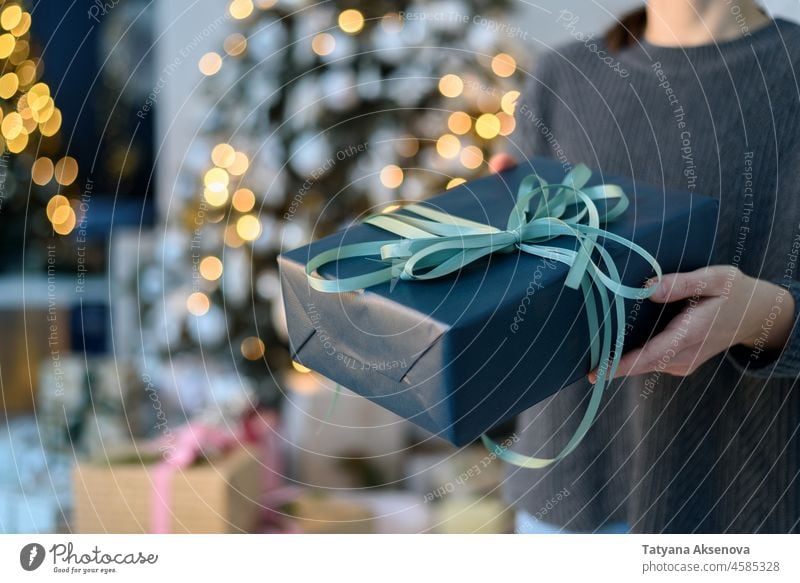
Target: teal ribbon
pixel 435 244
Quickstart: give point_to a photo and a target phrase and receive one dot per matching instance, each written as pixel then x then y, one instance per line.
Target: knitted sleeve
pixel 784 363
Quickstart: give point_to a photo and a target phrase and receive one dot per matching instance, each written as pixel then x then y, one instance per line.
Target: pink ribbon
pixel 191 441
pixel 189 444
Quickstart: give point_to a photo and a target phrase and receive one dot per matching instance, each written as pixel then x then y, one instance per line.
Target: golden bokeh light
pixel 211 268
pixel 42 113
pixel 391 176
pixel 253 348
pixel 300 368
pixel 451 85
pixel 58 200
pixel 52 125
pixel 448 146
pixel 18 144
pixel 235 44
pixel 210 63
pixel 66 170
pixel 488 102
pixel 248 227
pixel 61 214
pixel 507 123
pixel 241 9
pixel 26 71
pixel 11 17
pixel 323 44
pixel 504 65
pixel 216 197
pixel 391 208
pixel 23 26
pixel 198 303
pixel 222 155
pixel 232 238
pixel 243 200
pixel 20 53
pixel 407 146
pixel 216 180
pixel 9 83
pixel 471 157
pixel 42 171
pixel 351 21
pixel 509 102
pixel 66 220
pixel 11 125
pixel 239 165
pixel 487 126
pixel 38 95
pixel 7 43
pixel 459 122
pixel 454 182
pixel 266 4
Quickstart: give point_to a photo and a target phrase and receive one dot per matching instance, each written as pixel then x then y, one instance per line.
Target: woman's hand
pixel 724 308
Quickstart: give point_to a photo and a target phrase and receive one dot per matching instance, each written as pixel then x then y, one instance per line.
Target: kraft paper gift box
pixel 460 354
pixel 217 495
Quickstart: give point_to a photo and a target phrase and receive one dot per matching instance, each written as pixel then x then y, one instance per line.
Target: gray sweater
pixel 718 451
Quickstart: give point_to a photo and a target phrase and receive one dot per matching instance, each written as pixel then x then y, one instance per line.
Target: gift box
pixel 220 494
pixel 461 353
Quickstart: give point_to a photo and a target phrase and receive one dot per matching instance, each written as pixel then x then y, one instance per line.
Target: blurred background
pixel 157 156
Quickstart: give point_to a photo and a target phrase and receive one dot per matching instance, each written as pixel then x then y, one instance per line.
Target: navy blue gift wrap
pixel 460 354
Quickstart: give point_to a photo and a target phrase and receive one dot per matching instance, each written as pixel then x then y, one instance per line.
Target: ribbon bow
pixel 435 244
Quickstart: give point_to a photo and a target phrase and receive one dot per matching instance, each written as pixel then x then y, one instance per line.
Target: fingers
pixel 500 162
pixel 709 281
pixel 670 351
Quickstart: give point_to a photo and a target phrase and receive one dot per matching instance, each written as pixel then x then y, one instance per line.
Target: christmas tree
pixel 317 114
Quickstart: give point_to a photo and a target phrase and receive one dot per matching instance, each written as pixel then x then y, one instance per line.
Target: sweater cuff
pixel 760 363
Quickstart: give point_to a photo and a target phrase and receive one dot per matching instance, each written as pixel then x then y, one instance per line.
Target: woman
pixel 703 434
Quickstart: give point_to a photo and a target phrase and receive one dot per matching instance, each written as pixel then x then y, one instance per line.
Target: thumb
pixel 708 281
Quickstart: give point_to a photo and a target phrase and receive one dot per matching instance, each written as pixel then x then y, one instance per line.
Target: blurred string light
pixel 252 348
pixel 448 146
pixel 351 21
pixel 248 227
pixel 243 200
pixel 198 304
pixel 211 268
pixel 300 368
pixel 459 122
pixel 210 64
pixel 504 65
pixel 471 157
pixel 391 176
pixel 29 108
pixel 407 146
pixel 323 44
pixel 241 9
pixel 235 44
pixel 451 85
pixel 509 102
pixel 487 126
